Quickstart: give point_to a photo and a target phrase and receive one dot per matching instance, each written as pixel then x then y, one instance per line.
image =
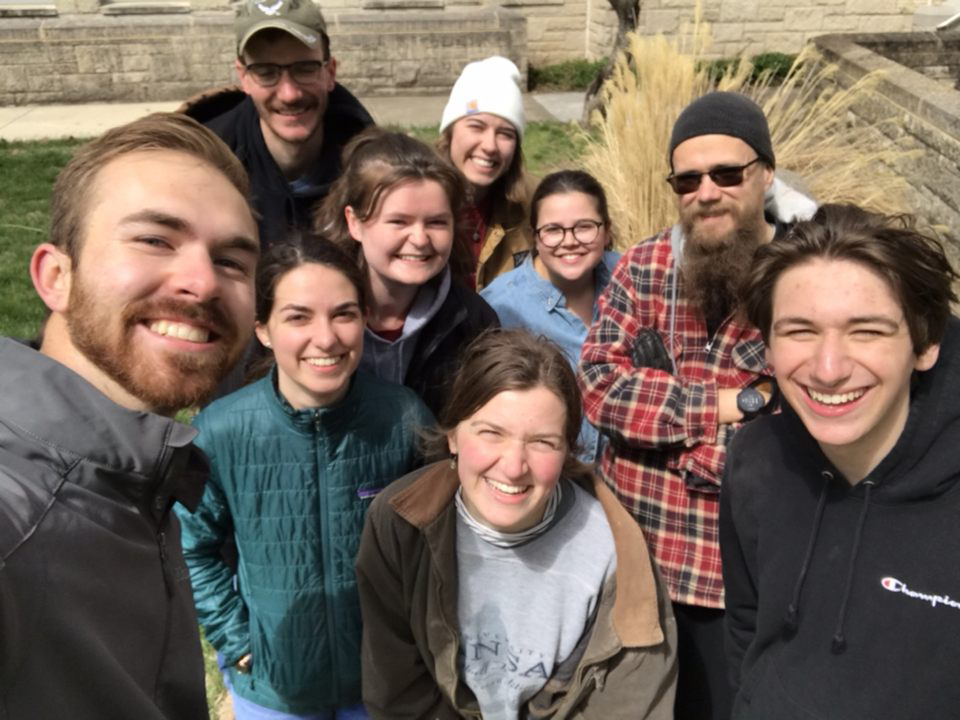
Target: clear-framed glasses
pixel 584 232
pixel 724 176
pixel 303 72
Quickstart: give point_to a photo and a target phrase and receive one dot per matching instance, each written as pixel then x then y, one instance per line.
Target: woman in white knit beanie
pixel 481 132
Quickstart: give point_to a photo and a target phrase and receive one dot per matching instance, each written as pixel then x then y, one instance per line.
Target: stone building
pixel 132 50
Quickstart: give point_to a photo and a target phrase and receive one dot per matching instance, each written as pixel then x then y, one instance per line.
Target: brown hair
pixel 912 263
pixel 160 131
pixel 374 163
pixel 301 249
pixel 510 188
pixel 502 359
pixel 296 250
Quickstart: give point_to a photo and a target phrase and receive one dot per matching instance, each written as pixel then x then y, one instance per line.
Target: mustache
pixel 305 104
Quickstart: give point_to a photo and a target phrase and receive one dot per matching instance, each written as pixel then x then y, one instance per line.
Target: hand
pixel 244 663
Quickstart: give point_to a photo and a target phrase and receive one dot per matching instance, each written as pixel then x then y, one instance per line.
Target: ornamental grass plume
pixel 816 144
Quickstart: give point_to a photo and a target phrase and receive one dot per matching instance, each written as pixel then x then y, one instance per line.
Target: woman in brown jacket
pixel 507 581
pixel 481 132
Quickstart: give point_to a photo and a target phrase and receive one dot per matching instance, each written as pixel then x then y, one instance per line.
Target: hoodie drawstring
pixel 839 642
pixel 793 609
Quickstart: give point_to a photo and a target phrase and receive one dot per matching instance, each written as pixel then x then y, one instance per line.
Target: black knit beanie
pixel 724 113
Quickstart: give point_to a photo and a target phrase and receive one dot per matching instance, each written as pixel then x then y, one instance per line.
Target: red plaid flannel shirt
pixel 666 452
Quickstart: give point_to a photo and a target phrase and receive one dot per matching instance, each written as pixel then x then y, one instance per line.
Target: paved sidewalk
pixel 34 122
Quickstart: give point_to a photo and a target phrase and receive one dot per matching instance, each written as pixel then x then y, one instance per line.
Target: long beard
pixel 164 382
pixel 713 271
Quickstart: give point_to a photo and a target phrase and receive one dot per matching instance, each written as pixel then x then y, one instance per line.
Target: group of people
pixel 464 460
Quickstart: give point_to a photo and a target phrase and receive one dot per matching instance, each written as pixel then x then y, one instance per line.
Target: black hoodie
pixel 231 114
pixel 844 602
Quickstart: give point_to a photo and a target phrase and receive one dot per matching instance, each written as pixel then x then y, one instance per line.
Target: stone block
pixel 841 23
pixel 871 7
pixel 884 23
pixel 772 13
pixel 803 19
pixel 14 78
pixel 664 20
pixel 738 10
pixel 728 32
pixel 93 59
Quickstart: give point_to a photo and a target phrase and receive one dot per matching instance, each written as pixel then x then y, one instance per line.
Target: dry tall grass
pixel 809 124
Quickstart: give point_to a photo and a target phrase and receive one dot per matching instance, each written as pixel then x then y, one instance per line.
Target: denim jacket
pixel 524 299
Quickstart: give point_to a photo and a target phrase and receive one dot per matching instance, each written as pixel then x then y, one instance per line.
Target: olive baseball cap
pixel 300 18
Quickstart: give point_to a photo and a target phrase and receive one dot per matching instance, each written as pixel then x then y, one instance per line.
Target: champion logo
pixel 898 586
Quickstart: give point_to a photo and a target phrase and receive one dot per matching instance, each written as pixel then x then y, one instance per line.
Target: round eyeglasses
pixel 303 72
pixel 584 232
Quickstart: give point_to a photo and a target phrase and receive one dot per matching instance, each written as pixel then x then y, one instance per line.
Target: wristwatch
pixel 750 402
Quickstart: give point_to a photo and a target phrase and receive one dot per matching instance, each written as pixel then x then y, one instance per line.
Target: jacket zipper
pixel 164 565
pixel 325 547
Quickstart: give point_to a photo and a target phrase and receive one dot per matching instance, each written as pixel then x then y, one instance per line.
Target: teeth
pixel 483 162
pixel 181 331
pixel 508 489
pixel 322 362
pixel 418 258
pixel 838 399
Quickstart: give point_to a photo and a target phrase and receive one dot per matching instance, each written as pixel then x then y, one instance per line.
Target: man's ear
pixel 51 272
pixel 331 73
pixel 241 74
pixel 928 358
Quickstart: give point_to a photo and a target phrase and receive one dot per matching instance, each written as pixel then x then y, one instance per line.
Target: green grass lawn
pixel 28 170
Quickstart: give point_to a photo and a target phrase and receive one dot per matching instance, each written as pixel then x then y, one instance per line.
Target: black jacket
pixel 96 613
pixel 462 316
pixel 851 609
pixel 231 114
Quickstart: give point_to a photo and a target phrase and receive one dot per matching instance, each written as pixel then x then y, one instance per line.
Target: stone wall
pixel 925 122
pixel 755 26
pixel 73 50
pixel 935 55
pixel 130 58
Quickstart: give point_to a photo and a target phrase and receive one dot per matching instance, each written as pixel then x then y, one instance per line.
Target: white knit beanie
pixel 486 86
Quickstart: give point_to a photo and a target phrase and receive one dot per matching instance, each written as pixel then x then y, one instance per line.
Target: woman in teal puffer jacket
pixel 296 458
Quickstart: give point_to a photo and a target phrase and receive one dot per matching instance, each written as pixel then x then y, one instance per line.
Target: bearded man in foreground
pixel 148 277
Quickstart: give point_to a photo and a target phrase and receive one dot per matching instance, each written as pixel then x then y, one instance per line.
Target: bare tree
pixel 628 15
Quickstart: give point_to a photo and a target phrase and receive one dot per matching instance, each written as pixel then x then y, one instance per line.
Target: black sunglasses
pixel 726 176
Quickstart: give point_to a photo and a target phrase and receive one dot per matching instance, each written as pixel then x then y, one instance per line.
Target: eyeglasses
pixel 303 72
pixel 726 176
pixel 584 232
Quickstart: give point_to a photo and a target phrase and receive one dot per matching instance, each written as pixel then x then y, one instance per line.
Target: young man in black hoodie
pixel 838 518
pixel 289 125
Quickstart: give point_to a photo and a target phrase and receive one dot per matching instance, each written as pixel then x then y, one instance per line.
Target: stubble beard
pixel 167 382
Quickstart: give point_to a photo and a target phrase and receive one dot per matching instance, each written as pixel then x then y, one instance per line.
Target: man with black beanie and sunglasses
pixel 669 370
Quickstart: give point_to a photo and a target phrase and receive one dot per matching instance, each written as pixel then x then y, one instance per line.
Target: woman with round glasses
pixel 555 291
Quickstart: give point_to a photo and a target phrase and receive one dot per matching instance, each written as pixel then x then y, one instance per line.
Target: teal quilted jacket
pixel 293 487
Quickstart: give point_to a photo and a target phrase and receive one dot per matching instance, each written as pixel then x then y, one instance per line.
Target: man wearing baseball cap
pixel 669 370
pixel 291 121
